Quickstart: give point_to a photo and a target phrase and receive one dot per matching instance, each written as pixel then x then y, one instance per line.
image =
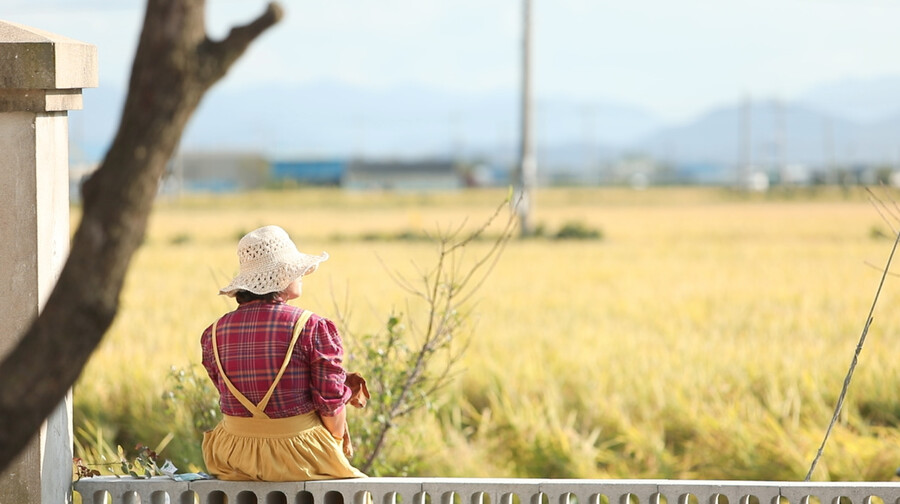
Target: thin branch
pixel 400 280
pixel 875 266
pixel 859 346
pixel 892 209
pixel 881 207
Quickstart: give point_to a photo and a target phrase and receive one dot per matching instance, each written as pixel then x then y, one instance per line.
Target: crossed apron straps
pixel 258 409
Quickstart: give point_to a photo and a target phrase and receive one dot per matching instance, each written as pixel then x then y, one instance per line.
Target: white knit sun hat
pixel 269 262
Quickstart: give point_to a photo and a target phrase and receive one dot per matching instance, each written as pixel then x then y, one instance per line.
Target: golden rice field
pixel 706 335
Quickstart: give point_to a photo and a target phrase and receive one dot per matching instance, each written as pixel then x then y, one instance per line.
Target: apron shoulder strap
pixel 298 328
pixel 257 413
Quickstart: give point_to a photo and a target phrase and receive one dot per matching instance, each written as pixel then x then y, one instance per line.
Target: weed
pixel 577 230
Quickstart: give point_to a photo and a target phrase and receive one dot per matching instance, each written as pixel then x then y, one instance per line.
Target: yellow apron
pixel 260 448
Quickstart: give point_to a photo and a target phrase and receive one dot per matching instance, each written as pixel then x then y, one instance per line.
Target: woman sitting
pixel 278 370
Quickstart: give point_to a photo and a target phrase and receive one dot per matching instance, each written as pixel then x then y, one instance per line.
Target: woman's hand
pixel 336 424
pixel 348 444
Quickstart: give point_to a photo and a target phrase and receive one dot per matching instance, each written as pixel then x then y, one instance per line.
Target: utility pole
pixel 830 161
pixel 526 173
pixel 780 143
pixel 746 156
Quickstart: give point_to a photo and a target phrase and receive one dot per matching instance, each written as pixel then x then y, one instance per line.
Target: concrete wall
pixel 41 76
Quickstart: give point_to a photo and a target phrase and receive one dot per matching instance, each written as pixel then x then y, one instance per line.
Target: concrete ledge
pixel 111 490
pixel 40 100
pixel 35 59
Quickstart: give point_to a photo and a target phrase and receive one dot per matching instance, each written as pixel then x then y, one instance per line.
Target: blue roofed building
pixel 309 172
pixel 404 175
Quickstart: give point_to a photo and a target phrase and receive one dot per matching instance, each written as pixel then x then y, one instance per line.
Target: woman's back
pixel 253 341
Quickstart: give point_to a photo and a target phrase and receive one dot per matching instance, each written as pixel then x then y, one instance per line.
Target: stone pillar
pixel 41 78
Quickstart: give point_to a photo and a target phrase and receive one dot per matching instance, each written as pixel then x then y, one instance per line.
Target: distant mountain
pixel 763 133
pixel 766 130
pixel 329 119
pixel 339 120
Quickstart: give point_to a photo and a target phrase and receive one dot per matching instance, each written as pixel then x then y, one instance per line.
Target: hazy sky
pixel 675 58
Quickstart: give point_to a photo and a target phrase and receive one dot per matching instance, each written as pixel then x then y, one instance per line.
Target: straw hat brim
pixel 274 277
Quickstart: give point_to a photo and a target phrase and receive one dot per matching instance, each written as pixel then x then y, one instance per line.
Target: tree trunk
pixel 174 66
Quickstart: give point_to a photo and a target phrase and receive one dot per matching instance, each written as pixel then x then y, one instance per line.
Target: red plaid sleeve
pixel 207 355
pixel 325 352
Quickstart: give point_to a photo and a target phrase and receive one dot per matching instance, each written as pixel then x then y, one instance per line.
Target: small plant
pixel 193 392
pixel 409 359
pixel 407 235
pixel 576 230
pixel 181 239
pixel 876 233
pixel 142 466
pixel 82 470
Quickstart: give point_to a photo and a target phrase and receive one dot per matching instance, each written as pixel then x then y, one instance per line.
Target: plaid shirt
pixel 253 341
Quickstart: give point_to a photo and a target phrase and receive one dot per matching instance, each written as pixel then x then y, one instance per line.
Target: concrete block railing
pixel 159 490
